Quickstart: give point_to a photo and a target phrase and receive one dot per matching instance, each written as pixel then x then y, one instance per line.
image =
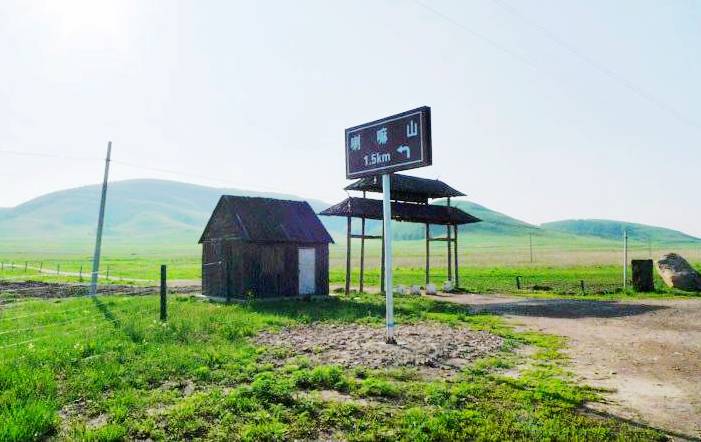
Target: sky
pixel 541 109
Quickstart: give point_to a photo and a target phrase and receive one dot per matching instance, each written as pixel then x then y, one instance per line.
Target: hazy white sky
pixel 541 109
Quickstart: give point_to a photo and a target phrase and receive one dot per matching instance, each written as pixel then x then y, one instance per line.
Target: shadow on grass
pixel 566 308
pixel 105 310
pixel 414 308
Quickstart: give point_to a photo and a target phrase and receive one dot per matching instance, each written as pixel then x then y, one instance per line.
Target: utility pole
pixel 625 259
pixel 100 223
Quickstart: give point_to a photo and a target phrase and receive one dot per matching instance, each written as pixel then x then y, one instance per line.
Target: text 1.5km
pixel 377 158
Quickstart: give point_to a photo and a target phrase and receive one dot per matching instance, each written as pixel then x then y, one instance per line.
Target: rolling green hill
pixel 158 215
pixel 141 212
pixel 609 229
pixel 493 224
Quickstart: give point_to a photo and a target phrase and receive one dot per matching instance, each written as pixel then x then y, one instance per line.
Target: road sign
pixel 399 142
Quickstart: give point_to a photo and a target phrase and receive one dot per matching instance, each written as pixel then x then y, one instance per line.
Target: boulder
pixel 676 272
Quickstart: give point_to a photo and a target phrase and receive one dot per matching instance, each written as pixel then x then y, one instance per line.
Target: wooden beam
pixel 348 256
pixel 362 253
pixel 428 252
pixel 455 245
pixel 450 260
pixel 366 236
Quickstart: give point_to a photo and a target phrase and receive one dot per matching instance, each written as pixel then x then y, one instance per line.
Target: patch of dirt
pixel 49 290
pixel 646 352
pixel 422 345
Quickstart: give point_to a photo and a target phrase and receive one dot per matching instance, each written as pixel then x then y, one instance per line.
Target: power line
pixel 639 91
pixel 477 34
pixel 49 155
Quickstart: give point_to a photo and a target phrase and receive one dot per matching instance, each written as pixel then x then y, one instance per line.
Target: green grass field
pixel 557 267
pixel 106 369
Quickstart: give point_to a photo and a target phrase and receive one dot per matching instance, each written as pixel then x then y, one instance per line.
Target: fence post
pixel 25 266
pixel 108 272
pixel 518 282
pixel 581 283
pixel 41 266
pixel 164 307
pixel 58 269
pixel 80 275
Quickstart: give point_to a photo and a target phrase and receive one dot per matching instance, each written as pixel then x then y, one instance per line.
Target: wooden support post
pixel 450 260
pixel 518 283
pixel 455 255
pixel 58 269
pixel 348 256
pixel 582 286
pixel 382 265
pixel 80 274
pixel 25 266
pixel 164 305
pixel 362 254
pixel 428 254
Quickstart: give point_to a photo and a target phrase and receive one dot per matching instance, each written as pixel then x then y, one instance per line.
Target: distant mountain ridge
pixel 137 210
pixel 610 229
pixel 153 213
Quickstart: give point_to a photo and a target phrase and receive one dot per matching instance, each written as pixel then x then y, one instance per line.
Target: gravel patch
pixel 420 345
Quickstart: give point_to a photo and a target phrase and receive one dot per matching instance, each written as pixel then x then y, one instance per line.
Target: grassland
pixel 107 369
pixel 558 266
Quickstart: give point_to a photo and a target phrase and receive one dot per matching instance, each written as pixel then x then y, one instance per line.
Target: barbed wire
pixel 107 321
pixel 57 323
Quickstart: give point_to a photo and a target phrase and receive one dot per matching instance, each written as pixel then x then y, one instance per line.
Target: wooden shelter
pixel 410 203
pixel 264 247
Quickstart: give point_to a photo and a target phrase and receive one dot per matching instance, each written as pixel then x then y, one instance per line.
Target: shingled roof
pixel 415 213
pixel 265 220
pixel 407 188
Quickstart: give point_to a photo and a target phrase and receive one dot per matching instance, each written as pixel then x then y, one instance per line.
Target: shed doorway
pixel 307 271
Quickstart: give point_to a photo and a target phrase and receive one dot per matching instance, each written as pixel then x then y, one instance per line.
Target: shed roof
pixel 265 220
pixel 407 188
pixel 415 213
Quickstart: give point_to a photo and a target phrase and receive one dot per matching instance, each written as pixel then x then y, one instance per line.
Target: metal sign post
pixel 397 142
pixel 387 240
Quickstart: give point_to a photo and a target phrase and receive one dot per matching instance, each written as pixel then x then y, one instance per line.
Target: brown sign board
pixel 394 143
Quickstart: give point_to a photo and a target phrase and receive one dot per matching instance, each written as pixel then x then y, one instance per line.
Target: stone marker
pixel 678 273
pixel 642 275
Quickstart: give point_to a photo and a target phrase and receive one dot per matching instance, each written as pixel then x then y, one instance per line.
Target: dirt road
pixel 648 352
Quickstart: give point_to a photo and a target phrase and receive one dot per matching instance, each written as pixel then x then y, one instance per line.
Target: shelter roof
pixel 408 212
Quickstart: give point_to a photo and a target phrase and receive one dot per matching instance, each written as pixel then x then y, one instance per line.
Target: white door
pixel 307 271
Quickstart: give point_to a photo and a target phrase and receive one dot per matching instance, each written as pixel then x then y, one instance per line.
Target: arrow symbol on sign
pixel 405 149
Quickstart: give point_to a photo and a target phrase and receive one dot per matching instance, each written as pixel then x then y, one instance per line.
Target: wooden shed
pixel 264 247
